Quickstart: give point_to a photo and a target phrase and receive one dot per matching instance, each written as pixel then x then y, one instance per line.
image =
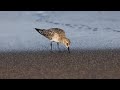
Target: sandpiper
pixel 55 35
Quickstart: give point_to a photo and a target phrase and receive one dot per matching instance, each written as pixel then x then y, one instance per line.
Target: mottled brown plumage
pixel 55 35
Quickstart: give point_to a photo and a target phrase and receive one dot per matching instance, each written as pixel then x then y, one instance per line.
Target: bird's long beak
pixel 68 49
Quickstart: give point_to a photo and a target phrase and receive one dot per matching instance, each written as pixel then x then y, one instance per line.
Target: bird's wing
pixel 59 31
pixel 48 34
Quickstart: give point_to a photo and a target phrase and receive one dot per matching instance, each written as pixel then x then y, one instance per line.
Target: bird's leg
pixel 68 49
pixel 58 45
pixel 51 45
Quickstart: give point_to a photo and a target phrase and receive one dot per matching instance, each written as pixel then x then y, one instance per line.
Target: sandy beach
pixel 95 45
pixel 79 64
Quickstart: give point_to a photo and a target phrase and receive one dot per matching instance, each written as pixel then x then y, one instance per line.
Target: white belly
pixel 55 38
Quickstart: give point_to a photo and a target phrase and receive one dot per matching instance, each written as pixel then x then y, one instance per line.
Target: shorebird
pixel 55 35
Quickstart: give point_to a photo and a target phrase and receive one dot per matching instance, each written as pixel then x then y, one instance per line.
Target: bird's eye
pixel 67 44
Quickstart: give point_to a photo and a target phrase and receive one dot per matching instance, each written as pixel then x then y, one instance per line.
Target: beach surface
pixel 95 45
pixel 91 64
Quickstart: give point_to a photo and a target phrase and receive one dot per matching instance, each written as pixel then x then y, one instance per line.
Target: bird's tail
pixel 39 30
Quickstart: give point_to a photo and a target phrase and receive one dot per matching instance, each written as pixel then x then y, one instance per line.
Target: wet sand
pixel 79 64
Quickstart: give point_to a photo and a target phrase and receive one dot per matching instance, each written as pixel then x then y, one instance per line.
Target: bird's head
pixel 67 43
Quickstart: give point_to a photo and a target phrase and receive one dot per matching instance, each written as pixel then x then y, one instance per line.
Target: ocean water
pixel 85 29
